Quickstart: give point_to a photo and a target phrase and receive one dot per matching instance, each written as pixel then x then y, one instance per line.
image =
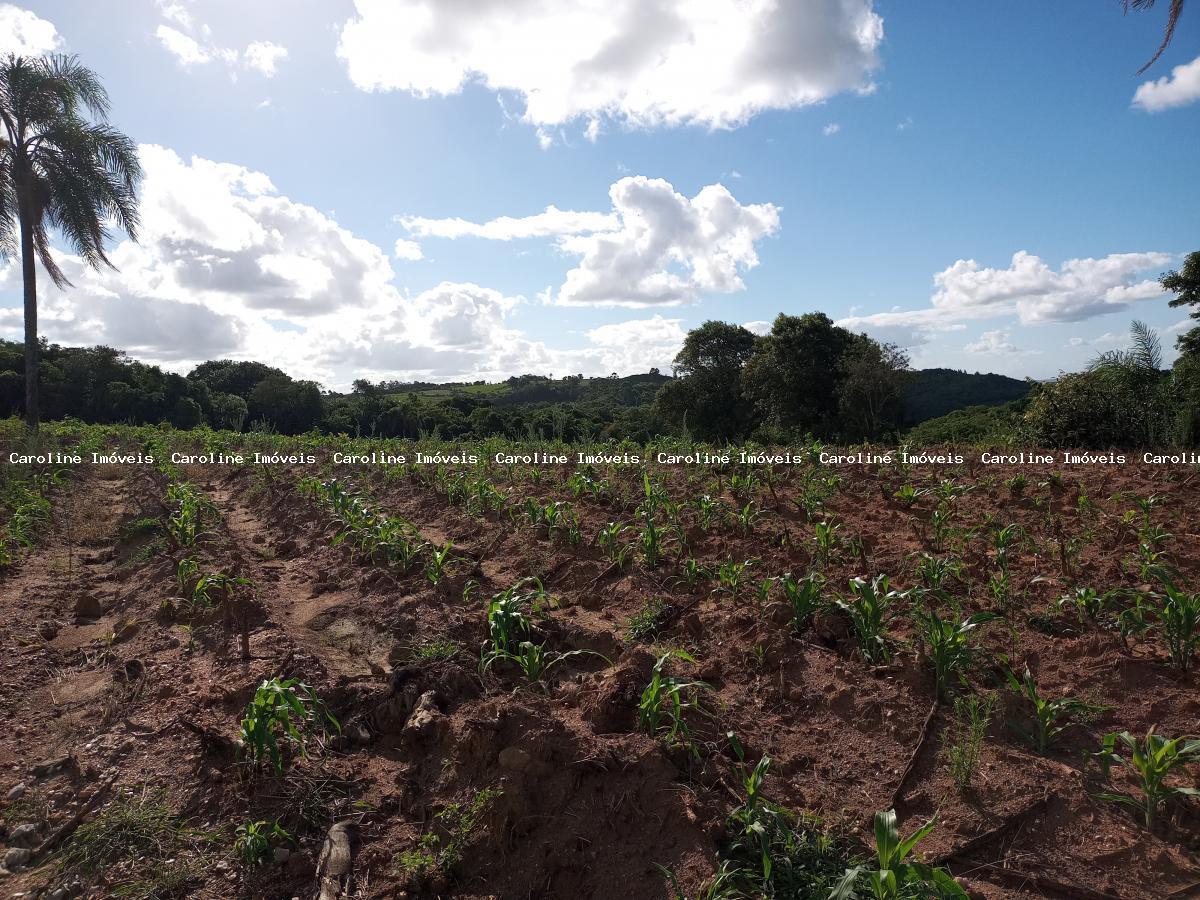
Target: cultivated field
pixel 602 680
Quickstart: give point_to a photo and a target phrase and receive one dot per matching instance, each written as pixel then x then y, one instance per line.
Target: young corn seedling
pixel 286 711
pixel 709 511
pixel 1050 717
pixel 894 877
pixel 665 700
pixel 907 495
pixel 1179 615
pixel 935 572
pixel 691 573
pixel 652 542
pixel 254 842
pixel 439 561
pixel 772 852
pixel 803 595
pixel 870 611
pixel 1089 604
pixel 1152 760
pixel 609 540
pixel 747 516
pixel 948 647
pixel 535 661
pixel 731 575
pixel 825 534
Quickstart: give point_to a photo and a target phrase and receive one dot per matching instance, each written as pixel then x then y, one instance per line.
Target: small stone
pixel 49 766
pixel 514 759
pixel 16 792
pixel 87 606
pixel 281 855
pixel 779 613
pixel 23 836
pixel 16 858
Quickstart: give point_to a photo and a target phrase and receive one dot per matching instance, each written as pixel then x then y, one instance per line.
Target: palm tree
pixel 58 171
pixel 1172 20
pixel 1134 380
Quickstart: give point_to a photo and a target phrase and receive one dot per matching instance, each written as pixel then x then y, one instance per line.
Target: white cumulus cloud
pixel 407 250
pixel 714 63
pixel 1179 88
pixel 264 56
pixel 184 48
pixel 25 33
pixel 668 249
pixel 1028 289
pixel 992 343
pixel 551 223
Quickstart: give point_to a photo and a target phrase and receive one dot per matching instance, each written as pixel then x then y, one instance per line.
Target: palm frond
pixel 1172 21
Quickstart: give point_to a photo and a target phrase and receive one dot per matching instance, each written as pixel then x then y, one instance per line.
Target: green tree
pixel 706 395
pixel 228 411
pixel 796 372
pixel 1185 285
pixel 58 171
pixel 1124 399
pixel 291 407
pixel 227 376
pixel 873 377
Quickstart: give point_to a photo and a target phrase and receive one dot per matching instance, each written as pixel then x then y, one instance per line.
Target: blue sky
pixel 974 181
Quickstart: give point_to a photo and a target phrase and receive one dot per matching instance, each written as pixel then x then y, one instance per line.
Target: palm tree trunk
pixel 29 276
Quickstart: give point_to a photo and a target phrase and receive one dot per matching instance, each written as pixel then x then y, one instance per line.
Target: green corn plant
pixel 894 877
pixel 825 534
pixel 693 572
pixel 651 542
pixel 936 571
pixel 742 486
pixel 282 710
pixel 665 700
pixel 1017 484
pixel 709 511
pixel 1136 619
pixel 535 661
pixel 730 576
pixel 439 561
pixel 207 587
pixel 948 646
pixel 941 527
pixel 1089 604
pixel 507 625
pixel 1050 717
pixel 254 841
pixel 907 495
pixel 187 570
pixel 1152 760
pixel 747 516
pixel 1178 614
pixel 609 540
pixel 870 612
pixel 803 595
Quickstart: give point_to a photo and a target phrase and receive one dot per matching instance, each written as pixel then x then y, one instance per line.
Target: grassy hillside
pixel 936 392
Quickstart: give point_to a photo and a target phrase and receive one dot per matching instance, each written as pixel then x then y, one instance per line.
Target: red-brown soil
pixel 589 803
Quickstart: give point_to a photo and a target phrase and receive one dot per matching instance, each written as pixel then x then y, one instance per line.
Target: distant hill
pixel 632 390
pixel 935 392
